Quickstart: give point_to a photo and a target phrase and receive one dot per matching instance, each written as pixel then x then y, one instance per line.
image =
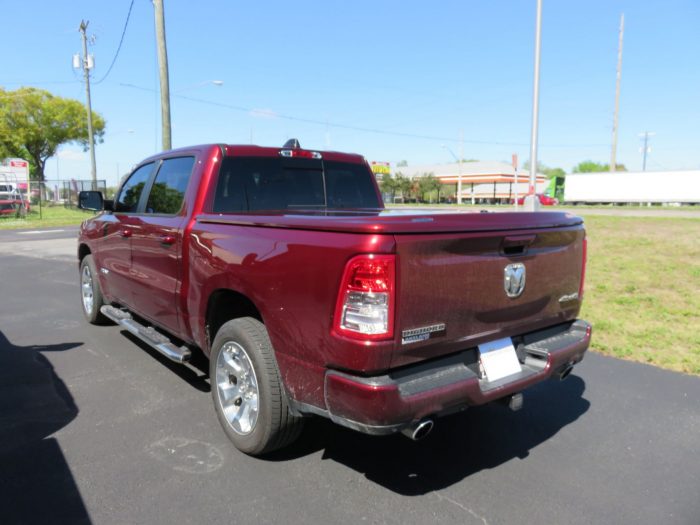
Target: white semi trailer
pixel 657 187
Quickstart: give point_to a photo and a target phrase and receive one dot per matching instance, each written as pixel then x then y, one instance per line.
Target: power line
pixel 121 40
pixel 365 129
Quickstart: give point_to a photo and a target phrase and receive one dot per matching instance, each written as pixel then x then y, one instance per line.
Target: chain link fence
pixel 45 199
pixel 71 188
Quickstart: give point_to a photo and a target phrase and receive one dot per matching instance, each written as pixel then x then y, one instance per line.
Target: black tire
pixel 275 426
pixel 91 309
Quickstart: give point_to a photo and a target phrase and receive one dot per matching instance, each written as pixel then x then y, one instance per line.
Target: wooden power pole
pixel 164 80
pixel 613 153
pixel 86 64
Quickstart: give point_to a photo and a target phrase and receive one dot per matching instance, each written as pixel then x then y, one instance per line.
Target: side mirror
pixel 91 200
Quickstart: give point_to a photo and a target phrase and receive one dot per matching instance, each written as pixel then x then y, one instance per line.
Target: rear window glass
pixel 269 183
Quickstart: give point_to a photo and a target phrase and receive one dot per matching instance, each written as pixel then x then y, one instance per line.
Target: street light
pixel 459 176
pixel 531 202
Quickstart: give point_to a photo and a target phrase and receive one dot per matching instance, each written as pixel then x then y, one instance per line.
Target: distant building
pixel 482 181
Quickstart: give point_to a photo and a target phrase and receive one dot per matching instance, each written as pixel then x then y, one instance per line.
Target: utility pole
pixel 514 160
pixel 163 68
pixel 645 149
pixel 531 202
pixel 459 176
pixel 613 153
pixel 87 64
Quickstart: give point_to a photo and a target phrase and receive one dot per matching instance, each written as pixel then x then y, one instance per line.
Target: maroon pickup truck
pixel 309 298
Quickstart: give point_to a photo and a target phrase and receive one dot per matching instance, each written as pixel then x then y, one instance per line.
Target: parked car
pixel 12 203
pixel 310 299
pixel 545 200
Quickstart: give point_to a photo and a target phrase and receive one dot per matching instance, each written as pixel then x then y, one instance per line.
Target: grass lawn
pixel 50 216
pixel 643 289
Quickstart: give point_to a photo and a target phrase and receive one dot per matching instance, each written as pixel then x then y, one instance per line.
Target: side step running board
pixel 147 334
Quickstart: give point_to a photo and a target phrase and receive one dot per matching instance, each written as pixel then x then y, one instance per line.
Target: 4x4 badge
pixel 514 279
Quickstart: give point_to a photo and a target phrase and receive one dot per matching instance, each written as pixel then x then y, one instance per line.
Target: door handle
pixel 517 245
pixel 126 233
pixel 167 240
pixel 519 240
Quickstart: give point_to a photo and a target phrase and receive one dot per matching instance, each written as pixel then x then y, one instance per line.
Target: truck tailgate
pixel 452 292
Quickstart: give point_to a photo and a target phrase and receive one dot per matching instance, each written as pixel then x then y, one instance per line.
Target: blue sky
pixel 390 80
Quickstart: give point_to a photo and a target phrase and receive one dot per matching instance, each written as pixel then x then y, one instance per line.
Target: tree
pixel 34 123
pixel 402 164
pixel 589 166
pixel 403 185
pixel 388 185
pixel 427 183
pixel 545 170
pixel 554 172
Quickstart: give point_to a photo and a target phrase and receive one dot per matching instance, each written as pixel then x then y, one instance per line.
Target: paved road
pixel 94 427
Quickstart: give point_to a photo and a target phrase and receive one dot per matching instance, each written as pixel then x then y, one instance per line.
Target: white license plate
pixel 498 359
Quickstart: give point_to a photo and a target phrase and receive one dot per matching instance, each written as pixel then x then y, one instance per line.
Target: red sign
pixel 19 163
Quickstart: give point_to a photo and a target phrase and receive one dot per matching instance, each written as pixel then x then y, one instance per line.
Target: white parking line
pixel 34 232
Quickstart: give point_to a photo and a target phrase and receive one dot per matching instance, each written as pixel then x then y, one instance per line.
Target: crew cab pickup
pixel 282 266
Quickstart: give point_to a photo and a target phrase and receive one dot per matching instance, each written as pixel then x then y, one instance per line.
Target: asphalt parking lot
pixel 97 428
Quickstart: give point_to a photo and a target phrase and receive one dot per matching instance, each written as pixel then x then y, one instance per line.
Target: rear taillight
pixel 365 307
pixel 583 268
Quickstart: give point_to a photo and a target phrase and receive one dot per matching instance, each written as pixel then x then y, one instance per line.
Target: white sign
pixel 499 359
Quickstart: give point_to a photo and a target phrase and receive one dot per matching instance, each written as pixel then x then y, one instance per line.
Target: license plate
pixel 498 359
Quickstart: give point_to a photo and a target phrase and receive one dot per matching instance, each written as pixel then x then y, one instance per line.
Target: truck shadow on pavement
pixel 36 484
pixel 459 446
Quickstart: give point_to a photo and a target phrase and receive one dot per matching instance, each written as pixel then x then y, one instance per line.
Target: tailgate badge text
pixel 415 335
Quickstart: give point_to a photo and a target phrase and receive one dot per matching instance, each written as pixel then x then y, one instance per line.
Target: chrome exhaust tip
pixel 565 372
pixel 417 431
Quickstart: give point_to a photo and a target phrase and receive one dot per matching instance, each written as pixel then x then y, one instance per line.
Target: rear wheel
pixel 90 292
pixel 248 395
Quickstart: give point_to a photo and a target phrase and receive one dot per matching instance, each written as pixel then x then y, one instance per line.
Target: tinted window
pixel 254 184
pixel 349 186
pixel 130 193
pixel 168 190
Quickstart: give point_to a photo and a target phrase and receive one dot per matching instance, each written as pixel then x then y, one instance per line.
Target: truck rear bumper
pixel 388 403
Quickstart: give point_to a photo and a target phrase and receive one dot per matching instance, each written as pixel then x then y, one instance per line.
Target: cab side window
pixel 130 193
pixel 168 191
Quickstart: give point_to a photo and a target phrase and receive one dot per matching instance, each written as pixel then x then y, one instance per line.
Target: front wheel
pixel 90 292
pixel 248 394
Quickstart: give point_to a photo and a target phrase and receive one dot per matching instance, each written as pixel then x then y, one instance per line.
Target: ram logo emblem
pixel 514 279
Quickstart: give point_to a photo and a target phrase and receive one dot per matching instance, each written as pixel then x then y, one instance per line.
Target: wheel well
pixel 225 305
pixel 83 250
